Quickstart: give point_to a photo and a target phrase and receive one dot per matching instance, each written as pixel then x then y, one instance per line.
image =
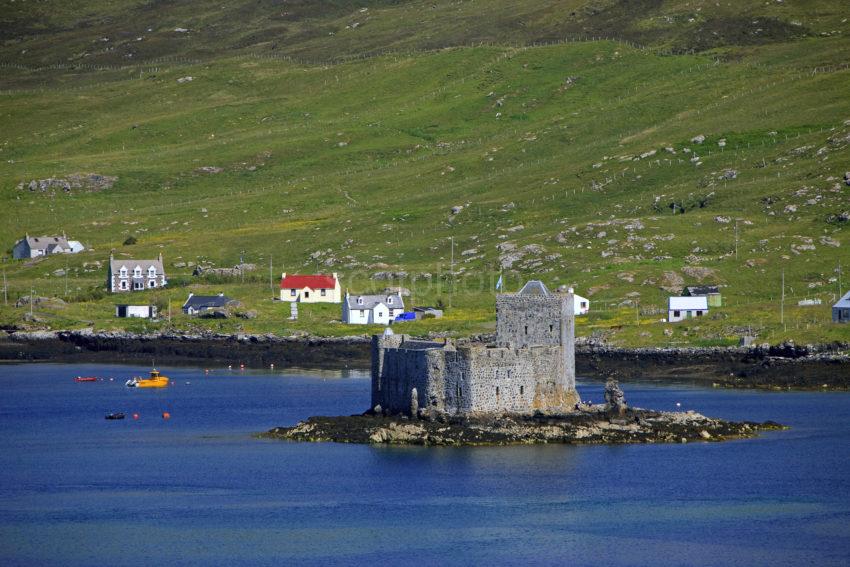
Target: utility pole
pixel 66 277
pixel 271 275
pixel 242 265
pixel 32 300
pixel 5 294
pixel 840 289
pixel 452 272
pixel 736 239
pixel 782 301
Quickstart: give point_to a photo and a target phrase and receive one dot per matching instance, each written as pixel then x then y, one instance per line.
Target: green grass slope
pixel 573 161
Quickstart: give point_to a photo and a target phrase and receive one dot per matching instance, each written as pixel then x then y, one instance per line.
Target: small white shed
pixel 680 308
pixel 581 305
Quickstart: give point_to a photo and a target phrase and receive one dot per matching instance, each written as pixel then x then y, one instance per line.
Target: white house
pixel 680 308
pixel 841 310
pixel 319 288
pixel 135 275
pixel 581 305
pixel 140 311
pixel 371 309
pixel 35 246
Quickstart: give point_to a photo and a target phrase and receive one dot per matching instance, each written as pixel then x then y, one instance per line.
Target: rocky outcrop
pixel 590 425
pixel 84 181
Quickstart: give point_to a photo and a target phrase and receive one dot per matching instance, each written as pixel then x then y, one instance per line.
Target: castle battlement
pixel 530 367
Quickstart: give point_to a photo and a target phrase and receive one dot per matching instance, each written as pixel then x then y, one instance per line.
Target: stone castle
pixel 530 367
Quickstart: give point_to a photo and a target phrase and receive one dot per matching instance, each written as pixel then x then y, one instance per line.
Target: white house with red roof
pixel 319 288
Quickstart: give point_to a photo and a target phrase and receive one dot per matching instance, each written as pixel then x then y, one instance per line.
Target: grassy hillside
pixel 573 161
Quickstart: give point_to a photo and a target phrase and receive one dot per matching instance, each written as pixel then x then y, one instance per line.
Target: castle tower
pixel 537 317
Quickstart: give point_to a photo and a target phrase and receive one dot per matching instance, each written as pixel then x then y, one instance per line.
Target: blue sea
pixel 199 489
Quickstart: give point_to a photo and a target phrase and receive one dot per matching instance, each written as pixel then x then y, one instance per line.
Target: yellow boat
pixel 155 380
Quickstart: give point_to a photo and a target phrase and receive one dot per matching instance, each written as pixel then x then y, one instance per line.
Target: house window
pixel 123 272
pixel 151 272
pixel 584 304
pixel 677 314
pixel 122 284
pixel 292 293
pixel 390 300
pixel 137 271
pixel 699 313
pixel 362 312
pixel 380 314
pixel 690 313
pixel 323 292
pixel 306 294
pixel 359 301
pixel 152 283
pixel 137 285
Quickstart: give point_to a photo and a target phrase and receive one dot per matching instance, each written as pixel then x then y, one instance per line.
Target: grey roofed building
pixel 135 275
pixel 199 303
pixel 372 301
pixel 841 310
pixel 34 246
pixel 421 312
pixel 695 290
pixel 712 292
pixel 371 309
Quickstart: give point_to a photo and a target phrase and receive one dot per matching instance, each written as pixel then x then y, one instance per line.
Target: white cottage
pixel 680 308
pixel 135 275
pixel 35 246
pixel 371 309
pixel 315 288
pixel 581 305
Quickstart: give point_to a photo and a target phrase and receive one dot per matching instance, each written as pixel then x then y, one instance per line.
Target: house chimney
pixel 160 257
pixel 335 276
pixel 283 276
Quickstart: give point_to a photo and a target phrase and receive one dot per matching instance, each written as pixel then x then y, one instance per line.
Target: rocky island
pixel 591 425
pixel 519 390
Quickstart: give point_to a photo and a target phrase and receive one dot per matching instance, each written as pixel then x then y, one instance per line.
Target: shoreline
pixel 779 367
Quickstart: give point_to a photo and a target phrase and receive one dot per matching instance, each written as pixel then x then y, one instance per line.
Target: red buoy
pixel 135 416
pixel 166 415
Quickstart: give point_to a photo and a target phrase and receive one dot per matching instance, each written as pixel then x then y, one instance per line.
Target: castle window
pixel 551 328
pixel 526 329
pixel 521 390
pixel 459 394
pixel 497 393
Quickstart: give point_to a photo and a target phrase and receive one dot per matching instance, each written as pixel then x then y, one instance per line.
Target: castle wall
pixel 399 365
pixel 518 380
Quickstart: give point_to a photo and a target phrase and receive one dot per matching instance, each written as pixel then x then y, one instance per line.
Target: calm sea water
pixel 76 489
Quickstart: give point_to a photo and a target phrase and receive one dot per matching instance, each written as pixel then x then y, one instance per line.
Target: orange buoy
pixel 166 415
pixel 135 416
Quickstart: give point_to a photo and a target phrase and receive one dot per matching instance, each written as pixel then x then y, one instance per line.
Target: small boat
pixel 155 380
pixel 117 415
pixel 85 379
